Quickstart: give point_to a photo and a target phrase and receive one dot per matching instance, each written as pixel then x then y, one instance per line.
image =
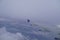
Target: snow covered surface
pixel 16 30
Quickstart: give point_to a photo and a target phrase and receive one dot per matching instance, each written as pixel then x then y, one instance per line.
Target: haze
pixel 37 10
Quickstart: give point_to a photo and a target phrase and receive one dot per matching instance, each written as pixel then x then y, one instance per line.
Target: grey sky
pixel 45 10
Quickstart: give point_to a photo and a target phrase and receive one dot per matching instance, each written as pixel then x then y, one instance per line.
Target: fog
pixel 37 10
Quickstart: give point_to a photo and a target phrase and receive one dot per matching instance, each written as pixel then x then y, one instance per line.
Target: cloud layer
pixel 4 35
pixel 13 30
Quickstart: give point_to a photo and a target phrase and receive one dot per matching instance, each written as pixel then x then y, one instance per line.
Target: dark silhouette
pixel 57 38
pixel 28 20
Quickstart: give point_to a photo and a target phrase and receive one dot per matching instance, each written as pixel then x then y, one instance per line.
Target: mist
pixel 37 10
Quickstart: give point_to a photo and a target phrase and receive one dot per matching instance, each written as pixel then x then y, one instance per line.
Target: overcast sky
pixel 45 10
